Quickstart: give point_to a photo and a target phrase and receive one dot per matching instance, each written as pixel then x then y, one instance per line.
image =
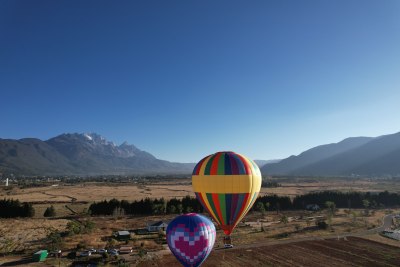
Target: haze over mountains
pixel 366 156
pixel 81 154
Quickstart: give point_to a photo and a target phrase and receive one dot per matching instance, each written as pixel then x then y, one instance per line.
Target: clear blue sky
pixel 183 79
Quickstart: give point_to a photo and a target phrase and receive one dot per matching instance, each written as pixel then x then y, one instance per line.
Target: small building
pixel 157 226
pixel 41 255
pixel 313 207
pixel 122 235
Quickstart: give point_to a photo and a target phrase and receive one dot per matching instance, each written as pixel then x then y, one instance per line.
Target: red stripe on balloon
pixel 217 207
pixel 214 166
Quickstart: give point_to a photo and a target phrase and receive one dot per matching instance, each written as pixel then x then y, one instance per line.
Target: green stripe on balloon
pixel 221 164
pixel 222 205
pixel 207 171
pixel 214 210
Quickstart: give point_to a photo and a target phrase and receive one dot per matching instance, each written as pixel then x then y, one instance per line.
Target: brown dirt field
pixel 25 234
pixel 353 252
pixel 96 192
pixel 90 192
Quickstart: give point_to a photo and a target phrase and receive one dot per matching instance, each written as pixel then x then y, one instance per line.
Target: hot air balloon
pixel 191 238
pixel 227 185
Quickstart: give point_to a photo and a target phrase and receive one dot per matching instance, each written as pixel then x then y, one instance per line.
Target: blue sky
pixel 184 79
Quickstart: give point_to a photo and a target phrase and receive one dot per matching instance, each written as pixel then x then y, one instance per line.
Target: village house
pixel 157 226
pixel 122 235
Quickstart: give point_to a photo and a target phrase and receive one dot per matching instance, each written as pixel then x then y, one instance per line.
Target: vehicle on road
pixel 85 254
pixel 102 251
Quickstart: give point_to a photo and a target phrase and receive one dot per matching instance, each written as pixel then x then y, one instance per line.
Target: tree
pixel 28 210
pixel 260 207
pixel 308 221
pixel 284 219
pixel 171 209
pixel 330 220
pixel 73 227
pixel 354 214
pixel 331 206
pixel 49 212
pixel 55 240
pixel 321 224
pixel 366 204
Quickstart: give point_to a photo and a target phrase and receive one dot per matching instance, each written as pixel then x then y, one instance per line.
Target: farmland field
pixel 90 192
pixel 260 240
pixel 351 252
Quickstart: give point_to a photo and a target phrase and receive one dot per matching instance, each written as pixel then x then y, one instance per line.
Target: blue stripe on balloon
pixel 238 207
pixel 240 164
pixel 228 167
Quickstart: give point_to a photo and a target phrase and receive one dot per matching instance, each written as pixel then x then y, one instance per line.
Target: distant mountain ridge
pixel 262 162
pixel 369 156
pixel 81 154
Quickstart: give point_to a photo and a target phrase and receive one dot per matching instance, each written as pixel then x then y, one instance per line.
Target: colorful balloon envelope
pixel 227 185
pixel 191 238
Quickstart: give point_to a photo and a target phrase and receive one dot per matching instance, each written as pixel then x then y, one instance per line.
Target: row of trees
pixel 339 199
pixel 146 206
pixel 10 208
pixel 13 208
pixel 270 202
pixel 348 200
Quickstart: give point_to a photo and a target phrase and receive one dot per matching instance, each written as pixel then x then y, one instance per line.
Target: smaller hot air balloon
pixel 191 238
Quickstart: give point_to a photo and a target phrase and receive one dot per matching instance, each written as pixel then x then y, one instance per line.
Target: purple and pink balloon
pixel 191 238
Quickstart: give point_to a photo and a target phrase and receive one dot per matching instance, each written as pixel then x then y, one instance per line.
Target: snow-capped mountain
pixel 76 153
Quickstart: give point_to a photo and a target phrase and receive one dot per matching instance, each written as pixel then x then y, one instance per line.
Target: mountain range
pixel 81 154
pixel 365 156
pixel 91 154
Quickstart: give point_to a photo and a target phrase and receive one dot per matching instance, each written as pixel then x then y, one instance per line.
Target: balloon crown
pixel 226 163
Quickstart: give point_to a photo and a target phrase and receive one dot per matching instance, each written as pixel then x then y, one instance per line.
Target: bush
pixel 13 208
pixel 50 212
pixel 71 255
pixel 322 225
pixel 81 245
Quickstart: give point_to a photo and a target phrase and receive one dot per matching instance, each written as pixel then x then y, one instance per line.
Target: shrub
pixel 321 225
pixel 50 212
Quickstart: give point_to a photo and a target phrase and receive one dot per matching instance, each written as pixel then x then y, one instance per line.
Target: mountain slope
pixel 19 156
pixel 80 154
pixel 313 155
pixel 352 156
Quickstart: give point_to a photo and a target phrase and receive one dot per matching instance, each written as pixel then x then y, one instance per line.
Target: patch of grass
pixel 281 235
pixel 389 256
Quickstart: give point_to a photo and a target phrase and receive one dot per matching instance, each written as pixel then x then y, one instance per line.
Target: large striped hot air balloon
pixel 227 185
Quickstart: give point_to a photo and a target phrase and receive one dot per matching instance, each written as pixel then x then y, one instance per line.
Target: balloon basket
pixel 228 242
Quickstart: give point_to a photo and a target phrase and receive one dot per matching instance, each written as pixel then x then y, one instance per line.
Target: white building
pixel 156 226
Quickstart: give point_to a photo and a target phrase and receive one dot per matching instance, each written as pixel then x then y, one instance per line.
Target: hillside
pixel 353 156
pixel 80 154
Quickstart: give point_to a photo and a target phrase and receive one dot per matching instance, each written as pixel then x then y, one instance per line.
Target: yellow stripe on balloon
pixel 226 183
pixel 207 203
pixel 203 166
